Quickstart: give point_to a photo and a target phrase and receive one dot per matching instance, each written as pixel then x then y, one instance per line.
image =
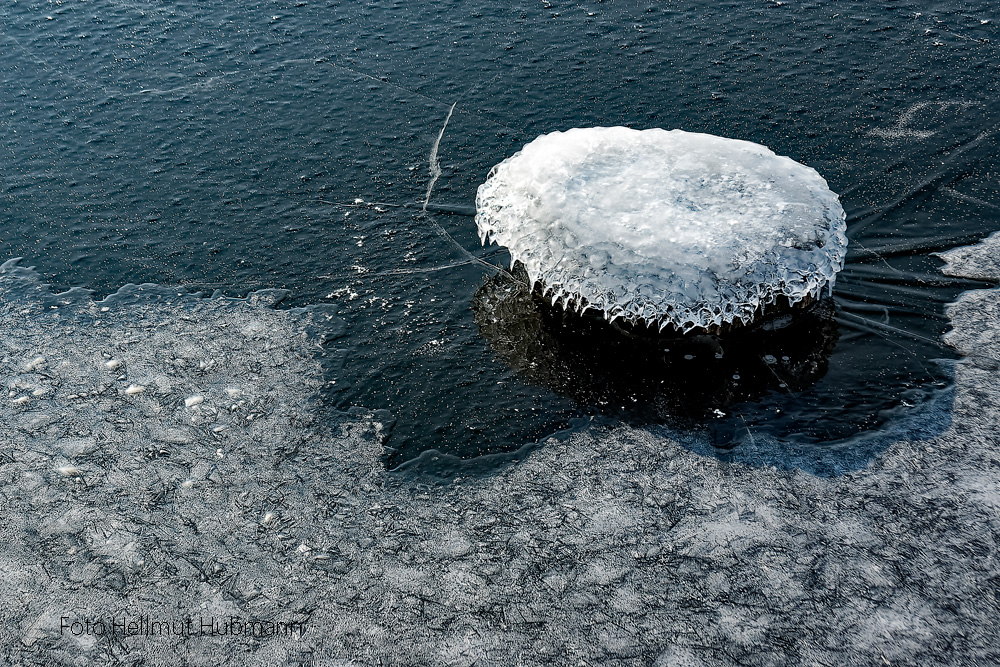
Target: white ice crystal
pixel 664 227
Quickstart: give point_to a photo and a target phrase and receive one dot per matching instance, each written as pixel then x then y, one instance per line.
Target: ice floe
pixel 667 228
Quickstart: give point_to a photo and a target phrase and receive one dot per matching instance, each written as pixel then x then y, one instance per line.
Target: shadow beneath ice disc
pixel 746 395
pixel 682 380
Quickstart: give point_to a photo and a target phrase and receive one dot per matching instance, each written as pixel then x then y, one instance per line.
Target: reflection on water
pixel 687 381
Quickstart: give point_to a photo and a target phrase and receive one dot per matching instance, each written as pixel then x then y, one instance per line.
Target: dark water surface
pixel 227 145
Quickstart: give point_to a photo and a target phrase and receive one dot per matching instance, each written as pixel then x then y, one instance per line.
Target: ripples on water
pixel 227 146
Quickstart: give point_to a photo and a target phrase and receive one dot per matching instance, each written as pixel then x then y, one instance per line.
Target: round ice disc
pixel 664 227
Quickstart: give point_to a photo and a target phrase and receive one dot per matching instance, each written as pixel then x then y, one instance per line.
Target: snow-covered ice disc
pixel 664 228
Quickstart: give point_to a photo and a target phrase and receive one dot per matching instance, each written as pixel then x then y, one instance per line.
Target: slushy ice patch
pixel 664 228
pixel 154 372
pixel 607 546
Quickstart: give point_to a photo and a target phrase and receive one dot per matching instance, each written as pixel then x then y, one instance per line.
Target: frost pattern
pixel 607 546
pixel 664 227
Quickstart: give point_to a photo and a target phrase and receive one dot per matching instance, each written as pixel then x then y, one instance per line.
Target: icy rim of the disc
pixel 500 219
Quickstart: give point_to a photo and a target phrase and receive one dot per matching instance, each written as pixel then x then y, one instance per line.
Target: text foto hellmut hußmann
pixel 200 626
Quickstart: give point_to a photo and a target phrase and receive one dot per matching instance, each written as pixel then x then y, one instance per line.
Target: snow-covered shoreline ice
pixel 607 546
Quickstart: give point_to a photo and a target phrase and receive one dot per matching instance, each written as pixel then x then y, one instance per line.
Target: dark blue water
pixel 224 145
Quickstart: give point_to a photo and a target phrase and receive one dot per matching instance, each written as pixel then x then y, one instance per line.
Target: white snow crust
pixel 664 227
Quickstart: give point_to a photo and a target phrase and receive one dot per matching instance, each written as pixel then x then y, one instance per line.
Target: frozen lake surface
pixel 227 145
pixel 183 456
